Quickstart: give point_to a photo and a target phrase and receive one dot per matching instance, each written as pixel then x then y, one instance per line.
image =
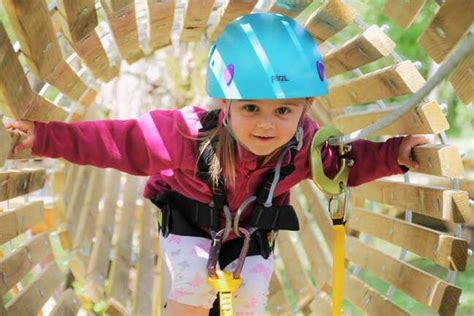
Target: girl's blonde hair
pixel 222 162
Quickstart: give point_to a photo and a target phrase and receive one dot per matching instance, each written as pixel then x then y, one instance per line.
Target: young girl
pixel 207 168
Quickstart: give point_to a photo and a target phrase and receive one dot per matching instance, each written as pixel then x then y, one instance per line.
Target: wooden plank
pixel 88 210
pixel 403 12
pixel 142 299
pixel 93 55
pixel 115 6
pixel 396 80
pixel 99 261
pixel 160 19
pixel 73 200
pixel 123 25
pixel 195 19
pixel 368 299
pixel 53 216
pixel 230 11
pixel 322 304
pixel 320 265
pixel 330 18
pixel 158 289
pixel 277 300
pixel 318 210
pixel 439 160
pixel 35 32
pixel 462 79
pixel 19 262
pixel 14 183
pixel 445 250
pixel 426 118
pixel 78 18
pixel 67 81
pixel 437 202
pixel 294 270
pixel 442 35
pixel 118 276
pixel 30 301
pixel 434 293
pixel 17 98
pixel 289 7
pixel 363 49
pixel 67 304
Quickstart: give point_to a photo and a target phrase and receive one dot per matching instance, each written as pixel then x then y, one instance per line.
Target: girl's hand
pixel 405 157
pixel 26 127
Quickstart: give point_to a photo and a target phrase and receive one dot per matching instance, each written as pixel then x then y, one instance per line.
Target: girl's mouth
pixel 264 138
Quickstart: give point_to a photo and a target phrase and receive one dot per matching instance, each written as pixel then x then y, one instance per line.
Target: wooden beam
pixel 403 12
pixel 35 295
pixel 320 265
pixel 73 200
pixel 294 270
pixel 363 49
pixel 318 210
pixel 434 293
pixel 462 79
pixel 439 160
pixel 289 7
pixel 160 19
pixel 118 276
pixel 330 18
pixel 17 98
pixel 123 25
pixel 14 183
pixel 426 118
pixel 396 80
pixel 67 304
pixel 368 299
pixel 87 211
pixel 445 250
pixel 100 256
pixel 277 300
pixel 142 297
pixel 232 10
pixel 195 19
pixel 35 32
pixel 442 35
pixel 17 264
pixel 93 55
pixel 448 205
pixel 78 18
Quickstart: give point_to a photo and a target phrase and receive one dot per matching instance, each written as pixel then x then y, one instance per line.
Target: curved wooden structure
pixel 77 237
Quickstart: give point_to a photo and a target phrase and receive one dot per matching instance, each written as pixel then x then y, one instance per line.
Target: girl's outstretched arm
pixel 140 147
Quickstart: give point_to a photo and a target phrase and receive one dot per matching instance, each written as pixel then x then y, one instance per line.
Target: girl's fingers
pixel 27 143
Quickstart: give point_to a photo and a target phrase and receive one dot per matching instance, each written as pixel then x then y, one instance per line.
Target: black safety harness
pixel 184 216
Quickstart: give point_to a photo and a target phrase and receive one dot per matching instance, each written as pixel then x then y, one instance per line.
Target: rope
pixel 445 69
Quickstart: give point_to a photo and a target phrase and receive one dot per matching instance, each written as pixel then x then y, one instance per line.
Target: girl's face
pixel 263 126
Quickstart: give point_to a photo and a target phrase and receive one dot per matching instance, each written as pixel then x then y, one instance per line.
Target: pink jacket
pixel 161 144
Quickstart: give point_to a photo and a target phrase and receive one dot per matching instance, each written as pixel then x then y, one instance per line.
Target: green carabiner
pixel 330 186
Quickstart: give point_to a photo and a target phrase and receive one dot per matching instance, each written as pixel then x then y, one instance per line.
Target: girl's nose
pixel 265 124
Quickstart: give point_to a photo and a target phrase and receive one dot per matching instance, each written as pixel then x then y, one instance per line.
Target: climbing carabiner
pixel 323 182
pixel 226 283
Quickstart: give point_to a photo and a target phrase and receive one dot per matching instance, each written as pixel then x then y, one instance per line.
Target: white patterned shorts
pixel 186 259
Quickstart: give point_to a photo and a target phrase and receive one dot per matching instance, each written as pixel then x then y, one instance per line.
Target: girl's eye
pixel 283 110
pixel 250 108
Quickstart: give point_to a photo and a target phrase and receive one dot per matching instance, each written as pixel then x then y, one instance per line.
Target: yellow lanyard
pixel 336 188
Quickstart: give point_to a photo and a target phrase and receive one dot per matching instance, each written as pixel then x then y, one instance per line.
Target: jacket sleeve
pixel 141 146
pixel 372 160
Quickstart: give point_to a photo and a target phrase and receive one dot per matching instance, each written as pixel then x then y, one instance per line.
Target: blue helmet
pixel 265 56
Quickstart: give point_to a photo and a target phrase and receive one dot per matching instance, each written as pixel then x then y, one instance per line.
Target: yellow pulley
pixel 336 188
